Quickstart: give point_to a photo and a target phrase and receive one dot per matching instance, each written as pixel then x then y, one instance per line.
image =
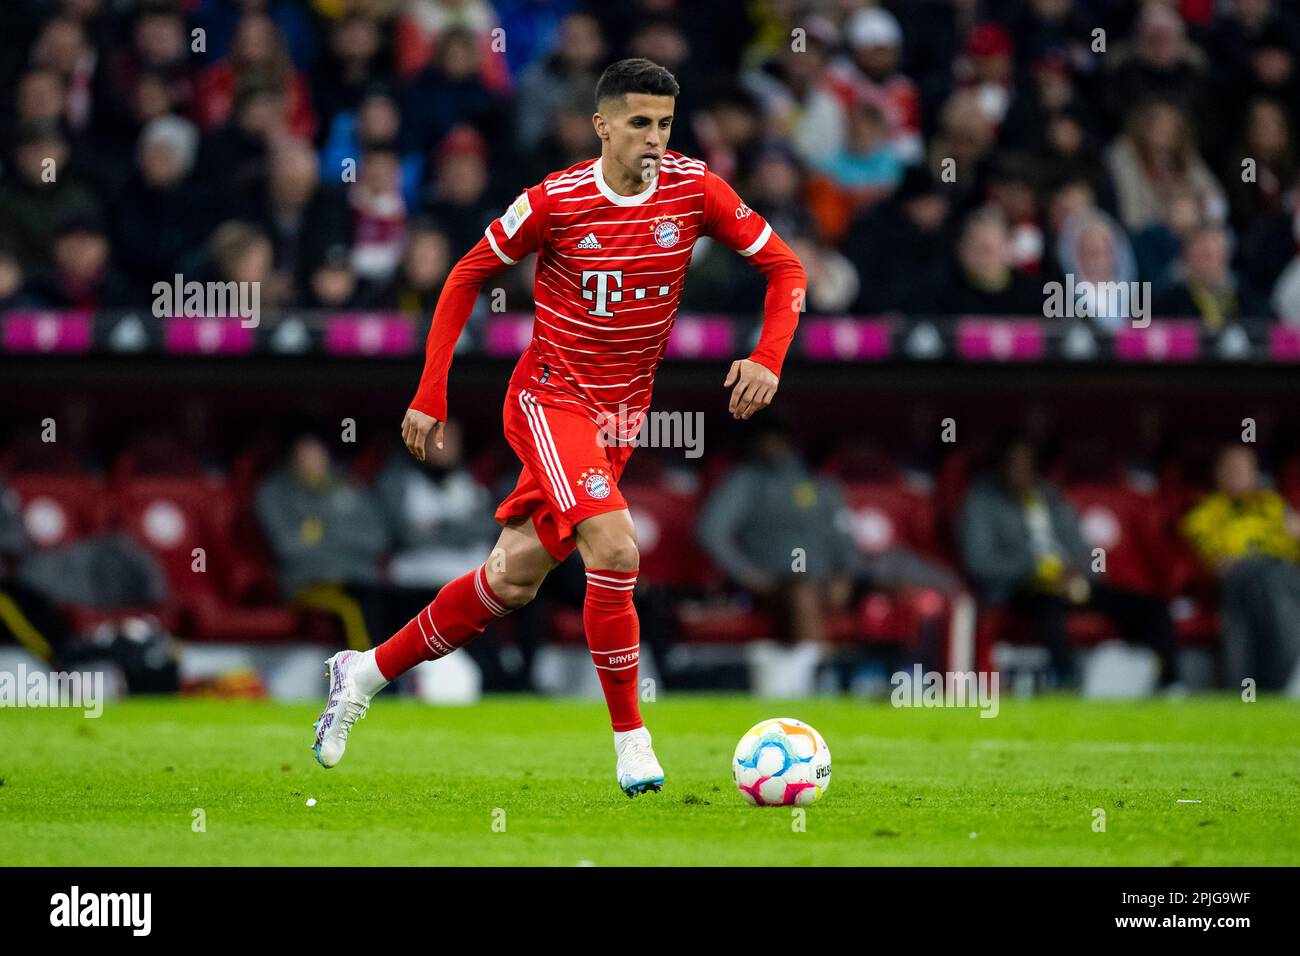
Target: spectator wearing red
pixel 422 27
pixel 258 57
pixel 988 70
pixel 379 215
pixel 871 73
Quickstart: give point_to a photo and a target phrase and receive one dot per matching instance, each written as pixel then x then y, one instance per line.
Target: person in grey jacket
pixel 775 528
pixel 328 537
pixel 440 522
pixel 1021 547
pixel 439 516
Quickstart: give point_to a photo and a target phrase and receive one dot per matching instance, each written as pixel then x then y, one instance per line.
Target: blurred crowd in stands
pixel 928 156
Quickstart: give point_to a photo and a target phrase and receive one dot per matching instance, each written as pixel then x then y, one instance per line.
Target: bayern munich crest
pixel 667 231
pixel 596 482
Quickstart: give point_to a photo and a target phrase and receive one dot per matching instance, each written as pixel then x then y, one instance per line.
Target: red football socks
pixel 460 612
pixel 614 638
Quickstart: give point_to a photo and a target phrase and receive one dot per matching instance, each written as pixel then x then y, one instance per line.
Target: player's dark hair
pixel 635 76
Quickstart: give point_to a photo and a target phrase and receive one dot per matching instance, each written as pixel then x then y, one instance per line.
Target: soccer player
pixel 613 238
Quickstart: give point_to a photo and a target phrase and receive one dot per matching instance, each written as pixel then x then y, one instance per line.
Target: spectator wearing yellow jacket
pixel 1250 538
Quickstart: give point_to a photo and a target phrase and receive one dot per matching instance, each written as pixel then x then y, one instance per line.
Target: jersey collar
pixel 616 198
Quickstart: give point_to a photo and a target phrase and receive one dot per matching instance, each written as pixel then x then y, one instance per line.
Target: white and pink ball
pixel 781 762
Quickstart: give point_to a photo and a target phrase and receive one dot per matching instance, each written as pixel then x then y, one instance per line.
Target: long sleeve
pixel 518 232
pixel 724 514
pixel 995 568
pixel 738 227
pixel 455 303
pixel 279 522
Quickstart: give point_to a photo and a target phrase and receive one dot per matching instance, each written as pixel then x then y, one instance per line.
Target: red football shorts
pixel 568 474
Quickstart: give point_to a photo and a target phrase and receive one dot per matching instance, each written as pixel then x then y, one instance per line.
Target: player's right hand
pixel 416 429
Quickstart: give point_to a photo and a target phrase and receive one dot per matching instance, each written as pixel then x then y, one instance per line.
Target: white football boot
pixel 638 770
pixel 347 703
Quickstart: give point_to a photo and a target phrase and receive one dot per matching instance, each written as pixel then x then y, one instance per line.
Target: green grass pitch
pixel 433 786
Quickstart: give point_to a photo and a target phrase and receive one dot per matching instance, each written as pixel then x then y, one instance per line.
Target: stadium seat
pixel 59 509
pixel 230 600
pixel 1125 525
pixel 885 515
pixel 671 556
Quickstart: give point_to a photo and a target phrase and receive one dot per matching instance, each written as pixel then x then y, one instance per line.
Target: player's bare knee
pixel 617 553
pixel 513 586
pixel 514 591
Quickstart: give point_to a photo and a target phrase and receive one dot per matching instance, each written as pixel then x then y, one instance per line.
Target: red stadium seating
pixel 887 515
pixel 173 516
pixel 665 520
pixel 59 509
pixel 1125 524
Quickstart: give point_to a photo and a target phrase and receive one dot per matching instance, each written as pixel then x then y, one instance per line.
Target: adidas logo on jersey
pixel 589 241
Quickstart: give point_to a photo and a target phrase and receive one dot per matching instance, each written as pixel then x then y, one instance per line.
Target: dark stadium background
pixel 1127 421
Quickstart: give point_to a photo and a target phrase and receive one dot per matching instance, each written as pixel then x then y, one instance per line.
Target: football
pixel 781 762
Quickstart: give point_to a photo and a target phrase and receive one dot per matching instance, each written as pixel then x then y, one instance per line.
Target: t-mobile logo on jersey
pixel 603 295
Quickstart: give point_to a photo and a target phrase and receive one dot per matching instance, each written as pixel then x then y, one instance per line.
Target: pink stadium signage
pixel 1168 341
pixel 846 339
pixel 1001 340
pixel 205 335
pixel 369 334
pixel 48 332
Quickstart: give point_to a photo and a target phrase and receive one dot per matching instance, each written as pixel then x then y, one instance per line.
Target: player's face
pixel 635 131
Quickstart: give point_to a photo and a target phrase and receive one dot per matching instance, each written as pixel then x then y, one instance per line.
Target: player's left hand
pixel 417 428
pixel 755 388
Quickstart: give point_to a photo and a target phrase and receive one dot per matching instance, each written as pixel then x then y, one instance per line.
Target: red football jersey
pixel 609 276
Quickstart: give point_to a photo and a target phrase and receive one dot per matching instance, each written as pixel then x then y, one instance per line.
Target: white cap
pixel 874 28
pixel 180 134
